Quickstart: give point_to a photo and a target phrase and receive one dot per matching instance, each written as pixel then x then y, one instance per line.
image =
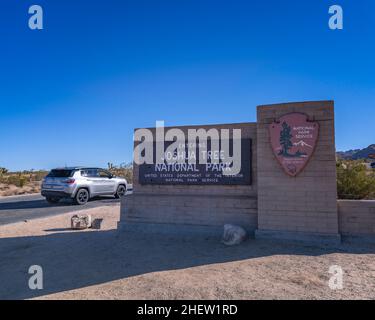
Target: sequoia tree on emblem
pixel 293 140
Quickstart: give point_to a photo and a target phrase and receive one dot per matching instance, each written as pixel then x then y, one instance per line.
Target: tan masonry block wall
pixel 357 217
pixel 306 203
pixel 191 210
pixel 203 205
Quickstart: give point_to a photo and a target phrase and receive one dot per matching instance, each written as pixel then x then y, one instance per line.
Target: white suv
pixel 81 184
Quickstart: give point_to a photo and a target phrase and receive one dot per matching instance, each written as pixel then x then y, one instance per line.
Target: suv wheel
pixel 121 191
pixel 52 200
pixel 82 197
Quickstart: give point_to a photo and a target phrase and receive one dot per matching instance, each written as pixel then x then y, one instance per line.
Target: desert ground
pixel 12 190
pixel 104 264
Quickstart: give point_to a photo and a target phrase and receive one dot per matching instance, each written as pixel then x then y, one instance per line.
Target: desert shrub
pixel 35 175
pixel 354 180
pixel 21 181
pixel 3 173
pixel 123 170
pixel 16 180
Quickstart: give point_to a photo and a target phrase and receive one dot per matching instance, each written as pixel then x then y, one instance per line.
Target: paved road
pixel 20 208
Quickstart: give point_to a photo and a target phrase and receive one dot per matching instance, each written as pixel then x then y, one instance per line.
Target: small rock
pixel 80 222
pixel 233 235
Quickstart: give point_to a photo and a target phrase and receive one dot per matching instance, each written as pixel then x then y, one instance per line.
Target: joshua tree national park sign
pixel 293 140
pixel 260 197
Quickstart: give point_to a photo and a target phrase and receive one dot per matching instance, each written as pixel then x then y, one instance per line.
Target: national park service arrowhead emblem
pixel 293 140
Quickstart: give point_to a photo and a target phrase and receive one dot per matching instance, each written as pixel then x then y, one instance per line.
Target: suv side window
pixel 90 173
pixel 84 173
pixel 103 174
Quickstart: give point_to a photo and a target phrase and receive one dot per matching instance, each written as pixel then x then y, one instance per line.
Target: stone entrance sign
pixel 301 204
pixel 293 140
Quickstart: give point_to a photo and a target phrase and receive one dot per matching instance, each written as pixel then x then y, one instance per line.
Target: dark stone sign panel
pixel 198 174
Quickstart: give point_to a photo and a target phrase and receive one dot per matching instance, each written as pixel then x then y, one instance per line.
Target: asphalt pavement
pixel 21 208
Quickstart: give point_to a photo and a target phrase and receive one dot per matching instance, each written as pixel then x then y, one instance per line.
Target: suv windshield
pixel 60 173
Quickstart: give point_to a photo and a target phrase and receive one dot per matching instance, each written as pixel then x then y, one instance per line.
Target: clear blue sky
pixel 73 92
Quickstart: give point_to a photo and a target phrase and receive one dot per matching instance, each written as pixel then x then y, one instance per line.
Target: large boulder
pixel 233 235
pixel 81 221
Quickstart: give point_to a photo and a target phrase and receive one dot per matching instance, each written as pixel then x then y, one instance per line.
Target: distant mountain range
pixel 357 153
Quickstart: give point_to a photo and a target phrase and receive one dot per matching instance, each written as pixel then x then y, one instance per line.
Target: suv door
pixel 107 183
pixel 92 176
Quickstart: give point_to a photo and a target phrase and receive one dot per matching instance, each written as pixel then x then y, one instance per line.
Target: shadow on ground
pixel 31 204
pixel 73 260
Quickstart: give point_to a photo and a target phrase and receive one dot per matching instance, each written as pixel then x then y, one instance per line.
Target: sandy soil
pixel 12 190
pixel 101 264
